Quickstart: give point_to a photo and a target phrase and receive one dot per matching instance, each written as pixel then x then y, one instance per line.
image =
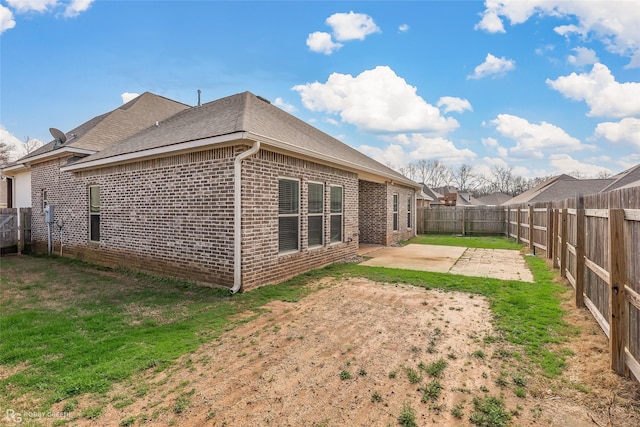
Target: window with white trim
pixel 395 212
pixel 288 215
pixel 409 203
pixel 45 202
pixel 336 214
pixel 94 213
pixel 315 214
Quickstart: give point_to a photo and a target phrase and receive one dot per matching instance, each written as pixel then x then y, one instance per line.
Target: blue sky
pixel 543 87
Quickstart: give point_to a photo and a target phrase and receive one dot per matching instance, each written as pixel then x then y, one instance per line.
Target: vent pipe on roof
pixel 199 92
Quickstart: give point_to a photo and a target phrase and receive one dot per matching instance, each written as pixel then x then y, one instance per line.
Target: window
pixel 395 212
pixel 288 215
pixel 409 223
pixel 94 213
pixel 45 202
pixel 315 218
pixel 336 214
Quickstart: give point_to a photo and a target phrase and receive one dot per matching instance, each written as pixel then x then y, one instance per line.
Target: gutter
pixel 237 215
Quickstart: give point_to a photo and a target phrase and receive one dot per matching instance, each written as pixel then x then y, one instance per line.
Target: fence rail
pixel 594 241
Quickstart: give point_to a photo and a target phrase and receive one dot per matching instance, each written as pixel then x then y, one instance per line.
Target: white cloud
pixel 17 148
pixel 129 96
pixel 490 23
pixel 322 43
pixel 540 51
pixel 583 56
pixel 375 101
pixel 23 6
pixel 451 103
pixel 76 7
pixel 564 163
pixel 345 27
pixel 493 66
pixel 625 131
pixel 279 102
pixel 615 23
pixel 490 142
pixel 6 19
pixel 351 26
pixel 407 148
pixel 600 90
pixel 534 140
pixel 403 28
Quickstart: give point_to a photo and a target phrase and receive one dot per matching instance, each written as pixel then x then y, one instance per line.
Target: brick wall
pixel 373 213
pixel 174 216
pixel 262 262
pixel 376 213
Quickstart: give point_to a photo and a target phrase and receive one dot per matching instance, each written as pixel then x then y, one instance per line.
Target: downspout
pixel 237 215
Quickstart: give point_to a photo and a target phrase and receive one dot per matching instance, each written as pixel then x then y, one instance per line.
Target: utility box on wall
pixel 48 214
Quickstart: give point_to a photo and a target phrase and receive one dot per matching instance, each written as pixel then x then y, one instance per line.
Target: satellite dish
pixel 58 134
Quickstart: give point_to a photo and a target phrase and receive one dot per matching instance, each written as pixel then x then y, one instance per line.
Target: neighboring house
pixel 236 193
pixel 437 199
pixel 451 196
pixel 564 186
pixel 494 199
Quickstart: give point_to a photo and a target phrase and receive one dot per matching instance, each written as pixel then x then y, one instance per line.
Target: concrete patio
pixel 495 263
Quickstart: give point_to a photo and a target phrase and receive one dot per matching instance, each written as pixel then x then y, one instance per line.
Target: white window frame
pixel 315 215
pixel 44 196
pixel 93 214
pixel 289 215
pixel 395 207
pixel 409 212
pixel 334 214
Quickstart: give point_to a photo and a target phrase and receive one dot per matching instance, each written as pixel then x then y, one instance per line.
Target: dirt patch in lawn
pixel 358 353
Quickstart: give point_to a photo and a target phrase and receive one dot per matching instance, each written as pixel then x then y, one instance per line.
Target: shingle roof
pixel 624 179
pixel 107 129
pixel 243 112
pixel 494 199
pixel 559 188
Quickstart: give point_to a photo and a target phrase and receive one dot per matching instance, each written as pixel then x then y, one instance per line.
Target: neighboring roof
pixel 495 199
pixel 243 112
pixel 107 129
pixel 434 195
pixel 559 188
pixel 624 179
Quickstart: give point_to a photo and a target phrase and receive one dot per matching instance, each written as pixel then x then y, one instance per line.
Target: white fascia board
pixel 60 152
pixel 15 168
pixel 154 152
pixel 361 170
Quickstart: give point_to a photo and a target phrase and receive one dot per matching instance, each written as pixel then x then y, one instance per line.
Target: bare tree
pixel 463 177
pixel 437 174
pixel 5 154
pixel 31 144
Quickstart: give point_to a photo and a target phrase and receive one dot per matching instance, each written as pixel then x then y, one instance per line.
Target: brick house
pixel 234 193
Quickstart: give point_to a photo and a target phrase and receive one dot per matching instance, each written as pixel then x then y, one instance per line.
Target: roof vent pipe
pixel 199 92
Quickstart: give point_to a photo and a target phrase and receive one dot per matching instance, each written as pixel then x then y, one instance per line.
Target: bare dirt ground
pixel 290 366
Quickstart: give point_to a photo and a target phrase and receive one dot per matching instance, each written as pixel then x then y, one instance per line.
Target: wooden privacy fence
pixel 593 240
pixel 15 230
pixel 462 220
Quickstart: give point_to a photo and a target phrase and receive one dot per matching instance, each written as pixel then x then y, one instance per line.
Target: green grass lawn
pixel 487 242
pixel 68 328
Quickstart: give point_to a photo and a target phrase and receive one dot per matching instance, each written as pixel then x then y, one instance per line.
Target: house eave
pixel 56 154
pixel 155 152
pixel 14 169
pixel 363 172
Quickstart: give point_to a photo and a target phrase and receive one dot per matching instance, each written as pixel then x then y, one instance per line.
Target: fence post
pixel 617 300
pixel 550 231
pixel 463 220
pixel 556 235
pixel 563 238
pixel 531 246
pixel 580 238
pixel 518 218
pixel 508 221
